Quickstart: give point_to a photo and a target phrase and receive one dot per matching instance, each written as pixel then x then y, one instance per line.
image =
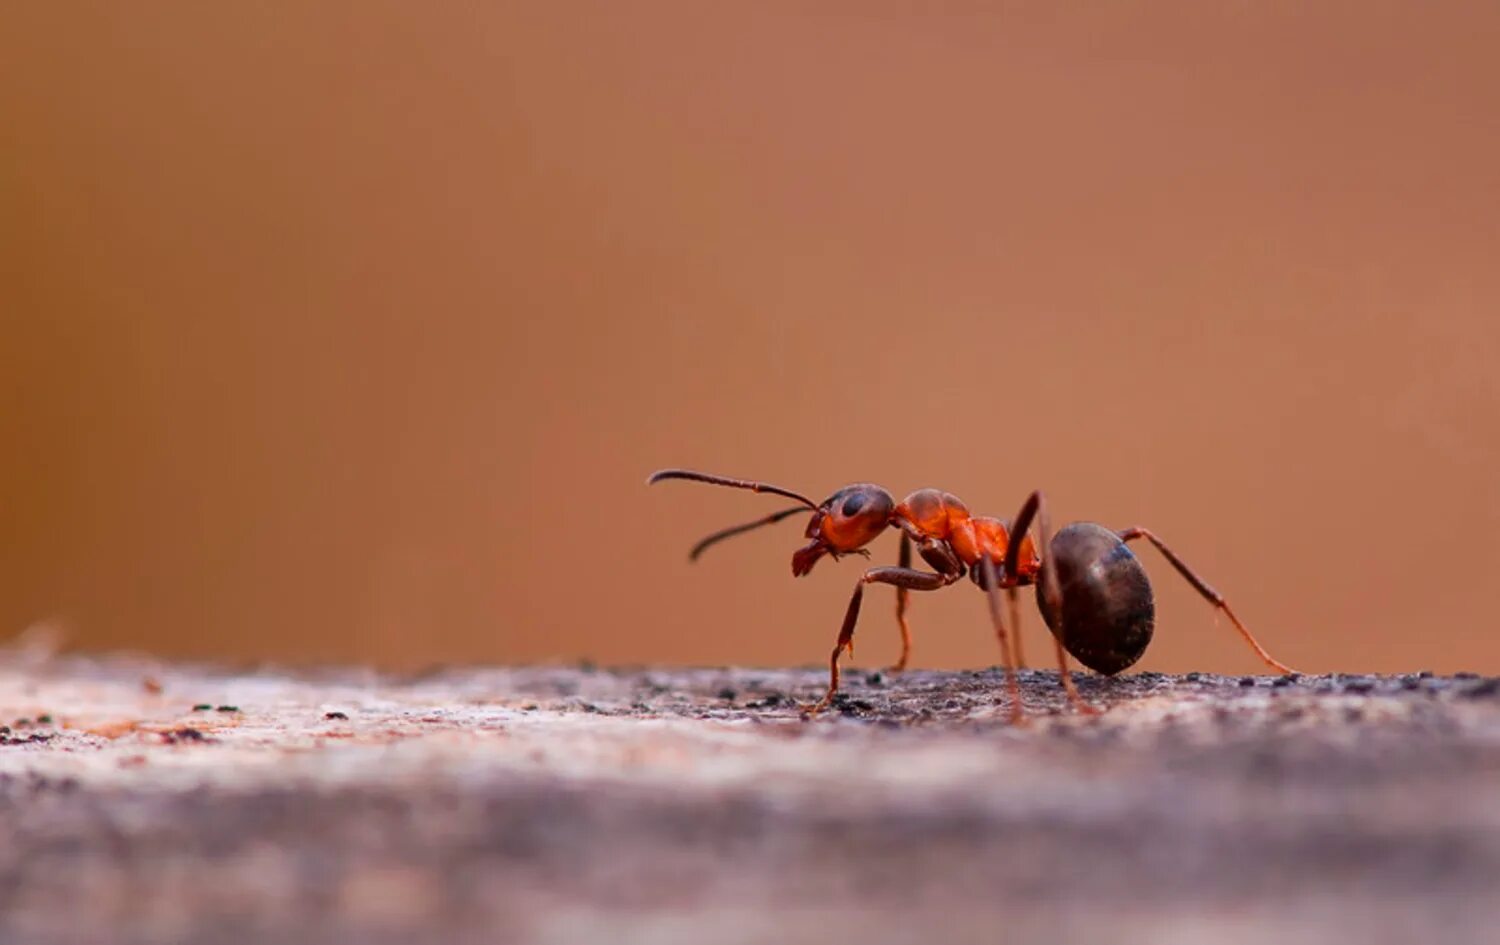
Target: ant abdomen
pixel 1108 610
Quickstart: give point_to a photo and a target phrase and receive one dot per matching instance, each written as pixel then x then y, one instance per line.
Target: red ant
pixel 1088 576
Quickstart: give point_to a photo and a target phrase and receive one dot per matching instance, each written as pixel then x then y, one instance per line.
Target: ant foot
pixel 809 709
pixel 812 709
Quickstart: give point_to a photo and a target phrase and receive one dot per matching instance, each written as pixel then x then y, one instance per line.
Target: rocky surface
pixel 142 802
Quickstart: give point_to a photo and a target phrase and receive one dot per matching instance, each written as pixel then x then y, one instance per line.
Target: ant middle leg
pixel 941 557
pixel 990 583
pixel 1018 652
pixel 902 578
pixel 902 593
pixel 1204 588
pixel 1035 507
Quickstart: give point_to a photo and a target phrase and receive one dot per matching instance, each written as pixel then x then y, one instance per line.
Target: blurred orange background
pixel 350 331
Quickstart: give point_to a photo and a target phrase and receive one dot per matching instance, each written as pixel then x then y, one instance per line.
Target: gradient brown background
pixel 351 331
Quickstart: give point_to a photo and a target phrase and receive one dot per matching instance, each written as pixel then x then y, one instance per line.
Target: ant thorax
pixel 932 513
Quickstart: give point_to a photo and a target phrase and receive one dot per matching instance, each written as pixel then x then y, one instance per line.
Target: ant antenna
pixel 713 480
pixel 733 530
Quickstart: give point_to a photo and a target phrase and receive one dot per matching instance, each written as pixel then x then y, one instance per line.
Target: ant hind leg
pixel 1209 594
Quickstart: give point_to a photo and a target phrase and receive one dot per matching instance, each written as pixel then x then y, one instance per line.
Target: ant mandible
pixel 1091 589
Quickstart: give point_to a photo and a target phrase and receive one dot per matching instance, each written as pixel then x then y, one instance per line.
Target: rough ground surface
pixel 573 805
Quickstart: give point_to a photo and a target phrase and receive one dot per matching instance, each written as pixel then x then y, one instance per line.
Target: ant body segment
pixel 1092 591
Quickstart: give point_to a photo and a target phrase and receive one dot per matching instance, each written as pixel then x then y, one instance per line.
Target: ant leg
pixel 1035 507
pixel 1013 599
pixel 991 585
pixel 900 577
pixel 902 593
pixel 1209 594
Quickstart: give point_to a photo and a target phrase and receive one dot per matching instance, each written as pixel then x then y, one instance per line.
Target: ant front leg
pixel 902 578
pixel 1209 594
pixel 1035 507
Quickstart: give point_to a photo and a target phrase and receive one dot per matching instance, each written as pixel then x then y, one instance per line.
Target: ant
pixel 1091 589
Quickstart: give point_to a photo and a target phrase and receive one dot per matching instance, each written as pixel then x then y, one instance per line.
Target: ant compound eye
pixel 860 502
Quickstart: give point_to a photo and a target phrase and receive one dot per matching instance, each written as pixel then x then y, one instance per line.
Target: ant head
pixel 848 520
